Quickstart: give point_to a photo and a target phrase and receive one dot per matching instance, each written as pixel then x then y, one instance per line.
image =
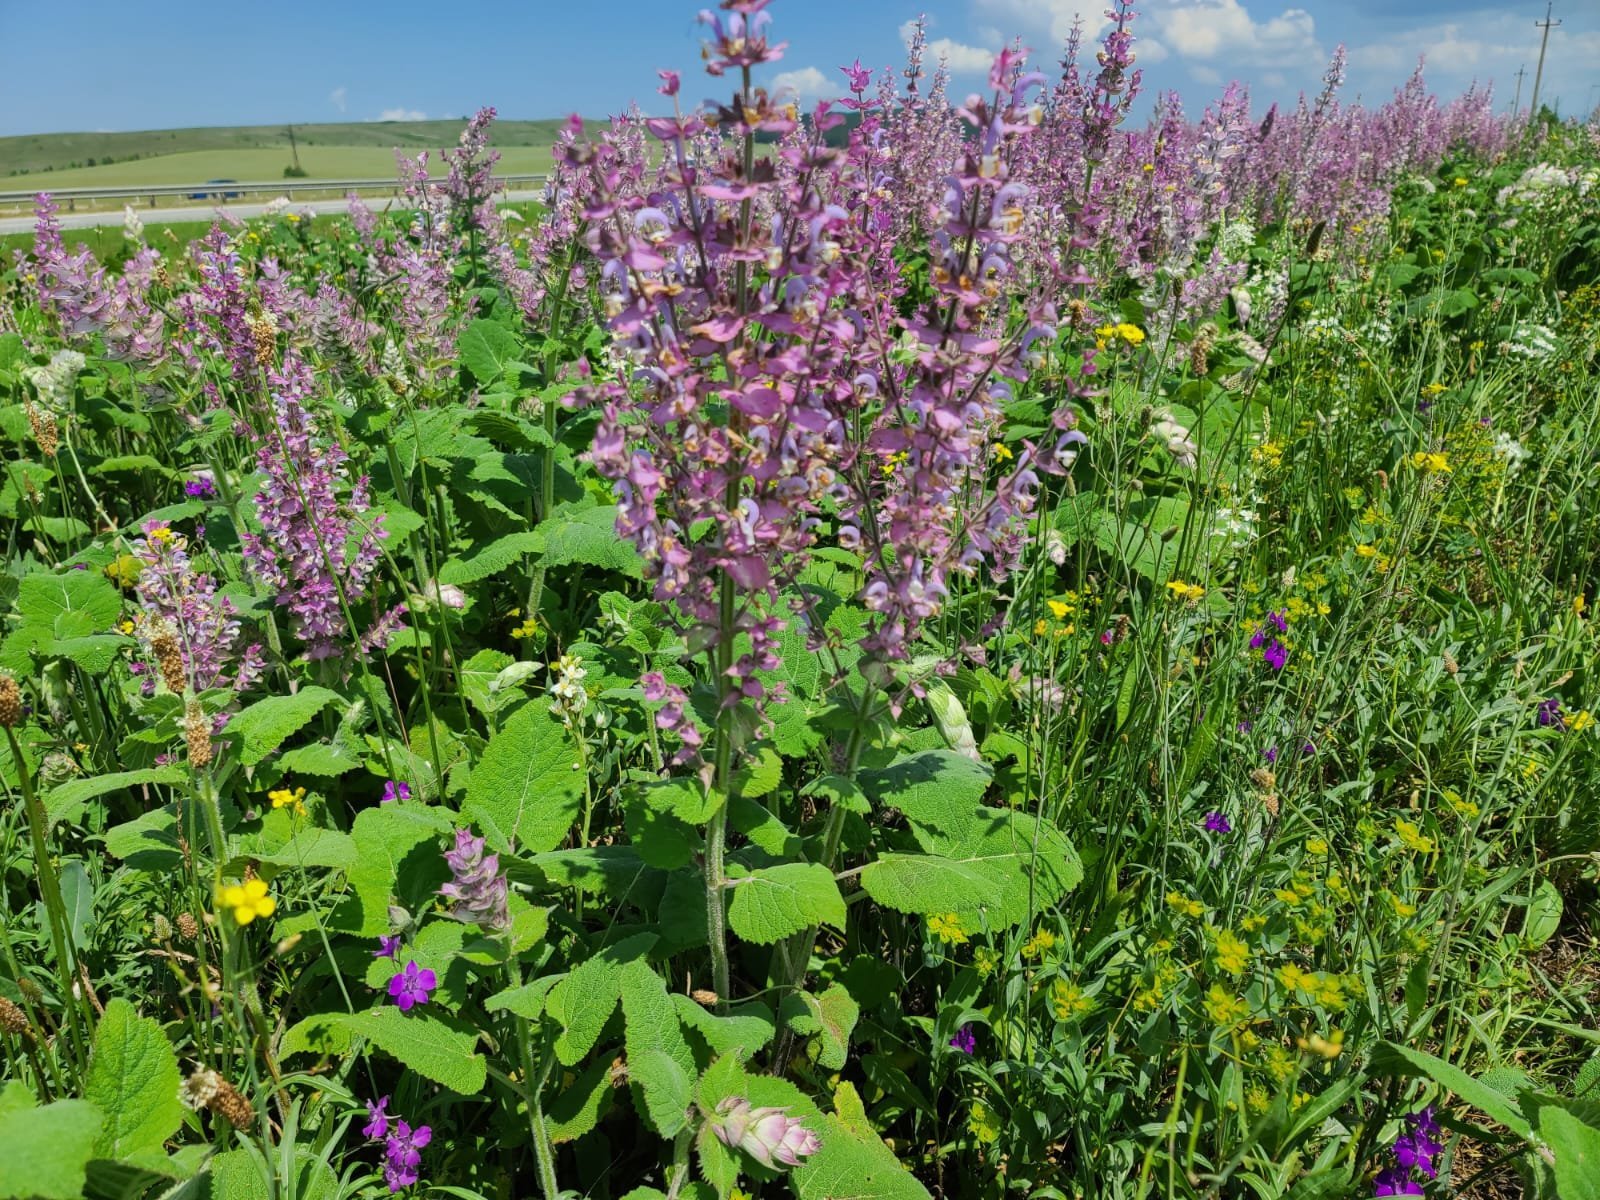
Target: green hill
pixel 349 149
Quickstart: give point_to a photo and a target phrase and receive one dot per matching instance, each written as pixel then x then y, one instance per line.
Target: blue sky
pixel 143 64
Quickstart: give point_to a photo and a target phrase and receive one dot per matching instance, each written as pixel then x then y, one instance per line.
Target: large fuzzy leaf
pixel 525 791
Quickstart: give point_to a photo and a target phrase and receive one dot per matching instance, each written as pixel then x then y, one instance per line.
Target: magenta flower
pixel 1395 1181
pixel 201 487
pixel 412 986
pixel 388 946
pixel 1217 822
pixel 669 83
pixel 1550 713
pixel 403 1154
pixel 394 789
pixel 860 78
pixel 378 1123
pixel 965 1040
pixel 1276 655
pixel 476 885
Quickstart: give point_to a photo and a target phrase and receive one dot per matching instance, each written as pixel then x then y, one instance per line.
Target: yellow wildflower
pixel 1433 389
pixel 1041 627
pixel 1281 1063
pixel 986 960
pixel 1226 1010
pixel 1580 720
pixel 1411 836
pixel 1002 451
pixel 284 798
pixel 1431 462
pixel 1059 608
pixel 1254 923
pixel 248 900
pixel 1183 905
pixel 1068 1002
pixel 1317 846
pixel 1040 942
pixel 947 927
pixel 1185 591
pixel 1366 550
pixel 1232 955
pixel 1293 978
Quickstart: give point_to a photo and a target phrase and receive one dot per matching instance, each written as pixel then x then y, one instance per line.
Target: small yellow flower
pixel 1293 978
pixel 1226 1010
pixel 1041 627
pixel 1232 955
pixel 1040 942
pixel 1462 808
pixel 1002 451
pixel 1254 923
pixel 1399 907
pixel 1579 604
pixel 1184 905
pixel 1185 591
pixel 126 627
pixel 1580 720
pixel 947 927
pixel 1281 1063
pixel 1059 608
pixel 1366 550
pixel 1460 182
pixel 986 960
pixel 248 900
pixel 1317 846
pixel 284 798
pixel 1068 1002
pixel 1411 837
pixel 527 629
pixel 1433 389
pixel 1431 462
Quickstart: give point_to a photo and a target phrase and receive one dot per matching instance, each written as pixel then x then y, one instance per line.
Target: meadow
pixel 989 649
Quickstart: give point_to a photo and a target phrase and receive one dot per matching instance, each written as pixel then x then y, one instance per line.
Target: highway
pixel 207 212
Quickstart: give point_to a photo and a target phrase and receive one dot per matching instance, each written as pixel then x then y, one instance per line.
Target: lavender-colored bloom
pixel 412 986
pixel 965 1040
pixel 1307 750
pixel 769 1135
pixel 182 603
pixel 402 1153
pixel 1550 713
pixel 395 789
pixel 1395 1181
pixel 477 887
pixel 1216 822
pixel 377 1124
pixel 1271 754
pixel 388 946
pixel 1276 655
pixel 201 487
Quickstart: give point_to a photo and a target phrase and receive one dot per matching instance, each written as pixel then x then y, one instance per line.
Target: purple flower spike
pixel 403 1155
pixel 1216 822
pixel 388 946
pixel 965 1040
pixel 378 1124
pixel 1395 1181
pixel 1550 713
pixel 411 986
pixel 478 888
pixel 1271 754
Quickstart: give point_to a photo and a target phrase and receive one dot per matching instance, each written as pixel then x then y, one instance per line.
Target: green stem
pixel 542 1149
pixel 80 1020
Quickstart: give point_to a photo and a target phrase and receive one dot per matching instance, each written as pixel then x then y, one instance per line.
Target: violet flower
pixel 378 1120
pixel 183 602
pixel 965 1040
pixel 477 887
pixel 1276 655
pixel 769 1135
pixel 201 487
pixel 395 789
pixel 388 946
pixel 1549 713
pixel 1216 822
pixel 412 986
pixel 403 1154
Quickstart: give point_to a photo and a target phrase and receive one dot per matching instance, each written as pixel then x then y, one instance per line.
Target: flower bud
pixel 769 1135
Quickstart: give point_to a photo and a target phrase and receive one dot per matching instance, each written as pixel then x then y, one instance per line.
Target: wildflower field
pixel 929 647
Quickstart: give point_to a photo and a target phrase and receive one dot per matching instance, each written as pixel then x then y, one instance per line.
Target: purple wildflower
pixel 412 986
pixel 395 789
pixel 1395 1181
pixel 388 946
pixel 1550 713
pixel 1217 822
pixel 403 1154
pixel 478 888
pixel 1271 754
pixel 183 604
pixel 769 1135
pixel 965 1040
pixel 378 1119
pixel 1276 655
pixel 201 487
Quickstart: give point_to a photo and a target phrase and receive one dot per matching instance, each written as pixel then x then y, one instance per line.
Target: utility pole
pixel 1538 75
pixel 294 150
pixel 1516 105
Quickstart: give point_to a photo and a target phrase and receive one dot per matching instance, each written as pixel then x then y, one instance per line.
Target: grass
pixel 250 152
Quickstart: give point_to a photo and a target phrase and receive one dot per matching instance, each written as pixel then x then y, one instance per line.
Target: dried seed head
pixel 1200 349
pixel 31 991
pixel 264 331
pixel 188 927
pixel 10 702
pixel 169 659
pixel 197 731
pixel 231 1106
pixel 1269 801
pixel 1264 779
pixel 14 1020
pixel 619 1072
pixel 161 928
pixel 46 432
pixel 703 996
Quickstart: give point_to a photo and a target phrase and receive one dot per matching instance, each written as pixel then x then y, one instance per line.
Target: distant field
pixel 246 152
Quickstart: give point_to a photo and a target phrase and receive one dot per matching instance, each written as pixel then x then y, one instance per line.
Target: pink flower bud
pixel 769 1135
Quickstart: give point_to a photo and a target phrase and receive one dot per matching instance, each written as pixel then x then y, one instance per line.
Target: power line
pixel 1547 25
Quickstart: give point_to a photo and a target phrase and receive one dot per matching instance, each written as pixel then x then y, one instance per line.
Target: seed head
pixel 10 702
pixel 197 732
pixel 188 927
pixel 14 1020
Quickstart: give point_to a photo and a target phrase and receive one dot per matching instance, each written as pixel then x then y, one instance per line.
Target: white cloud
pixel 1052 17
pixel 1206 29
pixel 1205 75
pixel 336 97
pixel 959 57
pixel 808 83
pixel 402 114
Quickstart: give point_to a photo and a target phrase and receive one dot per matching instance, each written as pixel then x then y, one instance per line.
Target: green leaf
pixel 1577 1150
pixel 851 1167
pixel 65 803
pixel 485 348
pixel 396 848
pixel 579 1105
pixel 133 1080
pixel 241 1175
pixel 491 557
pixel 659 1062
pixel 1390 1059
pixel 46 1150
pixel 583 1000
pixel 425 1044
pixel 311 847
pixel 744 1030
pixel 525 791
pixel 831 1018
pixel 775 902
pixel 263 726
pixel 149 842
pixel 527 1000
pixel 1544 915
pixel 327 759
pixel 589 536
pixel 44 599
pixel 320 1033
